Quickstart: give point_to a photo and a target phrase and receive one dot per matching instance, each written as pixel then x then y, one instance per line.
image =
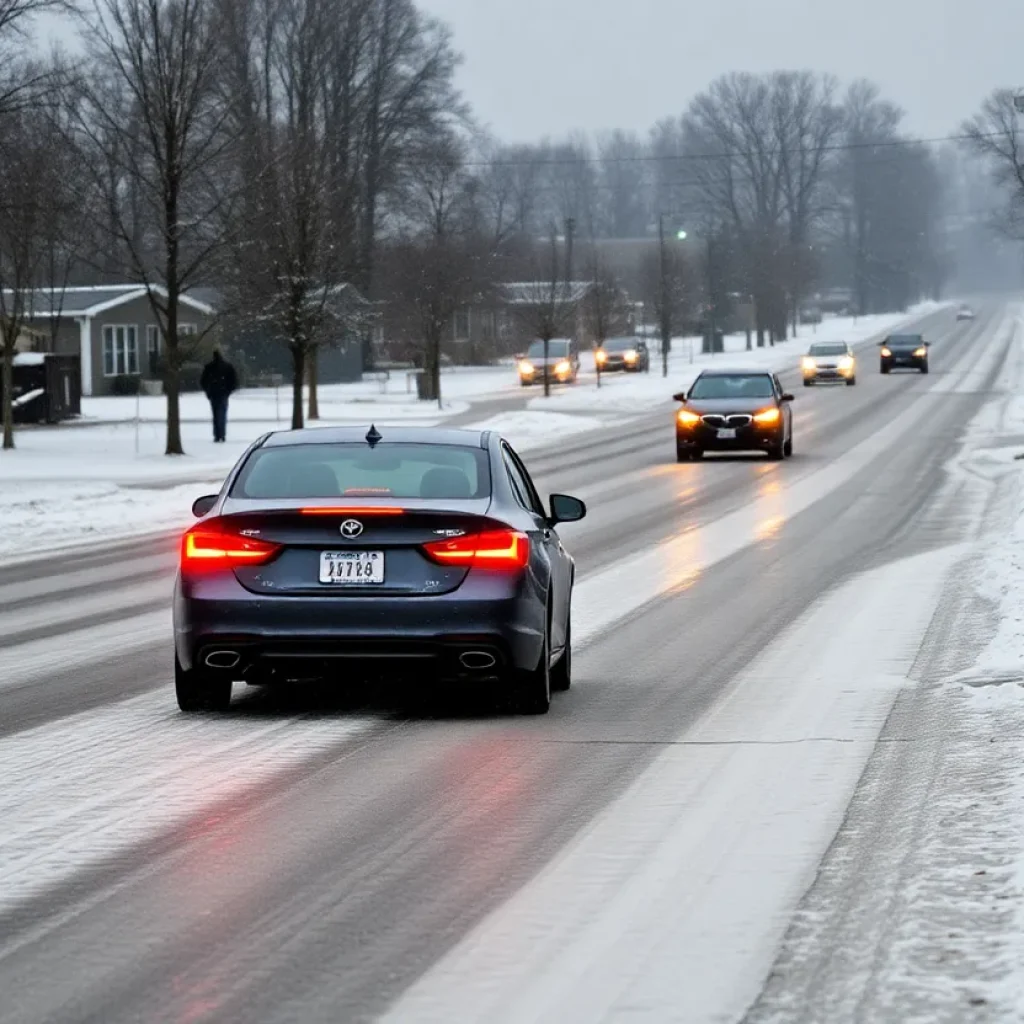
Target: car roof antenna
pixel 373 436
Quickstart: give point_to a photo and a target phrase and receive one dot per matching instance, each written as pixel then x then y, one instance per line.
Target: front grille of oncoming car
pixel 714 419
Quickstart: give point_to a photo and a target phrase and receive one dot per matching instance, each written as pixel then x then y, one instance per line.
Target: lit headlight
pixel 846 363
pixel 809 363
pixel 687 418
pixel 630 356
pixel 526 368
pixel 601 356
pixel 767 417
pixel 563 367
pixel 921 352
pixel 886 352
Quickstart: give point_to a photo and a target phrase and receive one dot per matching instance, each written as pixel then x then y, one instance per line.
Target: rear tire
pixel 533 686
pixel 561 674
pixel 197 692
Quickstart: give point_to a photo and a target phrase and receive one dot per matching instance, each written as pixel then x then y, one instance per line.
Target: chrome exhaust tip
pixel 221 659
pixel 477 661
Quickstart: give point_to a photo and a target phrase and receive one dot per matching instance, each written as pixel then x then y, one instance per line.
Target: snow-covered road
pixel 675 841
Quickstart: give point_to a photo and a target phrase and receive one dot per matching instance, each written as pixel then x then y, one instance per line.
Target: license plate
pixel 351 568
pixel 727 434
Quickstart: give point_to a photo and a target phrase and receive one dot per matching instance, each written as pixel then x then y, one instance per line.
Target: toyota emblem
pixel 351 528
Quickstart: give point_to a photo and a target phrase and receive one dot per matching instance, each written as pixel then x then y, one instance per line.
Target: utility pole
pixel 570 230
pixel 664 316
pixel 711 295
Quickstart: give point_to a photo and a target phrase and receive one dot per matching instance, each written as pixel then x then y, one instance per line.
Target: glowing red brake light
pixel 353 510
pixel 493 549
pixel 206 547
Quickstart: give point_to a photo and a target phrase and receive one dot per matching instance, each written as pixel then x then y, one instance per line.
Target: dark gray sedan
pixel 342 552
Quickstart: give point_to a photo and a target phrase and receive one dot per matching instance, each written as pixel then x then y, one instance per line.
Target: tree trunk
pixel 172 382
pixel 313 373
pixel 298 376
pixel 8 395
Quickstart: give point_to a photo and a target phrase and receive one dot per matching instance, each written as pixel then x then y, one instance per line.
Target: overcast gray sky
pixel 545 67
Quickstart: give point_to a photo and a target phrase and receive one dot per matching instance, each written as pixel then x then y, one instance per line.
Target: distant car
pixel 904 351
pixel 629 354
pixel 829 361
pixel 337 553
pixel 965 313
pixel 810 315
pixel 734 411
pixel 562 365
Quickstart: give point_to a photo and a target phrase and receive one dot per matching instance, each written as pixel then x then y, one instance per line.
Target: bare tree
pixel 604 313
pixel 994 134
pixel 808 125
pixel 150 120
pixel 408 96
pixel 547 306
pixel 664 283
pixel 34 205
pixel 737 180
pixel 437 267
pixel 288 79
pixel 624 200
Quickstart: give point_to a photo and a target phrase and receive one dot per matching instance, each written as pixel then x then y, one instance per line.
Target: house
pixel 262 356
pixel 112 328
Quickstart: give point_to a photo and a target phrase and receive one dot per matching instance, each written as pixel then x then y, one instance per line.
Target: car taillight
pixel 493 549
pixel 205 547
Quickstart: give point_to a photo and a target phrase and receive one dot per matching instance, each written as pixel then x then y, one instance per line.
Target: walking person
pixel 219 381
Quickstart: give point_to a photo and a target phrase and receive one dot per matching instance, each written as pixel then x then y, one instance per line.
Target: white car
pixel 965 313
pixel 832 361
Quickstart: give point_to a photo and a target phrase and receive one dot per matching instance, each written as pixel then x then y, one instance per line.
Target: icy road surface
pixel 684 838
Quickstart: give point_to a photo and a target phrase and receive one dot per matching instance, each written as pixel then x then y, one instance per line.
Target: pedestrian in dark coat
pixel 219 381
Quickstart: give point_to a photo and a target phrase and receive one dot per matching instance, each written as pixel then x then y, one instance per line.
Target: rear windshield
pixel 357 470
pixel 620 344
pixel 555 348
pixel 733 386
pixel 828 350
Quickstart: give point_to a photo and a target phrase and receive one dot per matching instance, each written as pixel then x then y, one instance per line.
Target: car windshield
pixel 356 470
pixel 904 341
pixel 739 385
pixel 620 344
pixel 556 349
pixel 828 350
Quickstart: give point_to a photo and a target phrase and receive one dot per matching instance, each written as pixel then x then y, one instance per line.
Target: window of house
pixel 120 350
pixel 461 325
pixel 155 338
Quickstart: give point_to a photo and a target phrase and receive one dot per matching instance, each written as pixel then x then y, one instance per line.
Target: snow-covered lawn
pixel 108 478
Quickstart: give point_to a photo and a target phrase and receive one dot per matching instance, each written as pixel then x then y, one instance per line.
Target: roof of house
pixel 533 293
pixel 90 300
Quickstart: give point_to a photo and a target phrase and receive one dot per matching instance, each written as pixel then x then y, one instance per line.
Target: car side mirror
pixel 203 505
pixel 681 397
pixel 566 509
pixel 786 397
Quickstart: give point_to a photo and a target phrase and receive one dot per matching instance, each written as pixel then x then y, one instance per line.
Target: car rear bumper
pixel 282 638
